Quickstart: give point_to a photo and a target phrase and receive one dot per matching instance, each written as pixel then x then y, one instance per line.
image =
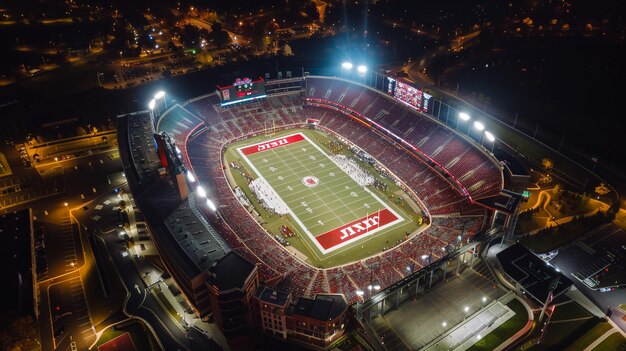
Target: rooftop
pixel 231 271
pixel 534 274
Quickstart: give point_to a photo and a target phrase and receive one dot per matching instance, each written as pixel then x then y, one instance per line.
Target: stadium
pixel 444 173
pixel 308 191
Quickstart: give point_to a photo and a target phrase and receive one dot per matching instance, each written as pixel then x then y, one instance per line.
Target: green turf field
pixel 319 210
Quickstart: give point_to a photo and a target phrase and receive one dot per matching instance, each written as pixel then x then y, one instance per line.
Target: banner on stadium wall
pixel 312 121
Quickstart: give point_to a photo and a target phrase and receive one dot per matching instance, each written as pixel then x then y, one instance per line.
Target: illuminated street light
pixel 65 204
pixel 347 65
pixel 361 69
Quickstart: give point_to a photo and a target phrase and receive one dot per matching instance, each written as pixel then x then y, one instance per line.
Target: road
pixel 140 302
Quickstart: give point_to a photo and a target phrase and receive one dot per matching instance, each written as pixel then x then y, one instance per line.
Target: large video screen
pixel 408 94
pixel 243 89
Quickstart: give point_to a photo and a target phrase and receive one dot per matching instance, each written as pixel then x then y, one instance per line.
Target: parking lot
pixel 70 313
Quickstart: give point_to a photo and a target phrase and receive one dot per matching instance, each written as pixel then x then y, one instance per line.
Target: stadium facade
pixel 230 269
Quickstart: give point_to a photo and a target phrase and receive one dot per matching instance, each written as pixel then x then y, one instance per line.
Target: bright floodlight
pixel 490 136
pixel 424 257
pixel 464 116
pixel 159 94
pixel 152 104
pixel 484 299
pixel 361 69
pixel 200 191
pixel 376 287
pixel 211 205
pixel 444 324
pixel 190 177
pixel 360 292
pixel 466 309
pixel 478 125
pixel 346 65
pixel 65 204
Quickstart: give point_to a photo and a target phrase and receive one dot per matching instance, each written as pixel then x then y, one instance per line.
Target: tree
pixel 547 164
pixel 602 189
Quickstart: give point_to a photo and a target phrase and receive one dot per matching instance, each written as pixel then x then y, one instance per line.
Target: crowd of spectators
pixel 479 174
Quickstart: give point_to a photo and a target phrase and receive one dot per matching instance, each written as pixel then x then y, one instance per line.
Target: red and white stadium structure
pixel 447 172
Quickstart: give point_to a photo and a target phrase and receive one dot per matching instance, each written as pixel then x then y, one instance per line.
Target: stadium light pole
pixel 490 138
pixel 346 68
pixel 151 105
pixel 463 116
pixel 479 126
pixel 161 94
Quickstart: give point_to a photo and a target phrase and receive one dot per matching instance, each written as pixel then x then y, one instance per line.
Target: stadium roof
pixel 197 240
pixel 534 275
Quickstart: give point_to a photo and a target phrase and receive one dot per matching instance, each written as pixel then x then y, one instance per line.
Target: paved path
pixel 600 339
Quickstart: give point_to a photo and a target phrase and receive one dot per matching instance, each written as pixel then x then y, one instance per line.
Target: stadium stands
pixel 201 128
pixel 480 175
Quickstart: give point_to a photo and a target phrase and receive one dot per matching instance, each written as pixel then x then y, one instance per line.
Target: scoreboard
pixel 243 89
pixel 410 95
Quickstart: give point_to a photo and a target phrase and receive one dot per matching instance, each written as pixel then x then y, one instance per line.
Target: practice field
pixel 335 218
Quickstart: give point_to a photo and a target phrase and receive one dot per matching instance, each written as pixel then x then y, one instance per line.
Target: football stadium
pixel 311 232
pixel 313 195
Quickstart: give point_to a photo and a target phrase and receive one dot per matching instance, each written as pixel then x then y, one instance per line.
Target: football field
pixel 328 208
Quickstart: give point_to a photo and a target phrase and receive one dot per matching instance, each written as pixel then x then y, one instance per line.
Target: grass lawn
pixel 317 213
pixel 613 342
pixel 589 337
pixel 570 310
pixel 141 336
pixel 506 330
